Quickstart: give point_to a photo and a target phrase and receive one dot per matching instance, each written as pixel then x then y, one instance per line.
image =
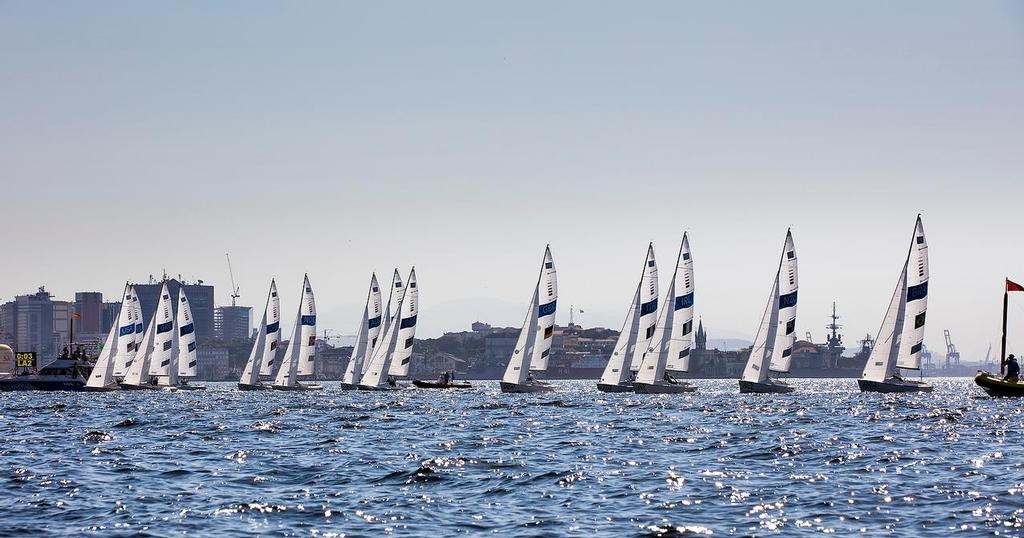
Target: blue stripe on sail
pixel 126 330
pixel 373 323
pixel 546 309
pixel 684 301
pixel 919 291
pixel 139 328
pixel 187 330
pixel 407 322
pixel 191 347
pixel 272 327
pixel 309 320
pixel 787 300
pixel 649 307
pixel 164 327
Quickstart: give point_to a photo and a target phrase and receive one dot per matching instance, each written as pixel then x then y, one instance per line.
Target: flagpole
pixel 1002 345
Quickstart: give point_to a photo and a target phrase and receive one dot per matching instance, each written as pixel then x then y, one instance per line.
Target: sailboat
pixel 534 343
pixel 636 333
pixel 669 349
pixel 264 349
pixel 773 345
pixel 378 369
pixel 120 340
pixel 901 336
pixel 1002 385
pixel 140 374
pixel 301 352
pixel 366 336
pixel 187 358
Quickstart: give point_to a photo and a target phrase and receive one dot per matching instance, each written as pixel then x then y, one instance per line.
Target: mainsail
pixel 126 340
pixel 406 328
pixel 638 328
pixel 366 336
pixel 300 354
pixel 773 345
pixel 670 346
pixel 899 340
pixel 547 299
pixel 539 324
pixel 163 355
pixel 187 357
pixel 272 338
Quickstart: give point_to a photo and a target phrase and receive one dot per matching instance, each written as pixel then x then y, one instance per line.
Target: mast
pixel 1002 344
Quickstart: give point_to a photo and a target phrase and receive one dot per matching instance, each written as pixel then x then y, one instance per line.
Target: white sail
pixel 547 300
pixel 187 358
pixel 138 372
pixel 163 354
pixel 782 353
pixel 300 354
pixel 102 374
pixel 912 340
pixel 251 372
pixel 369 324
pixel 391 310
pixel 126 341
pixel 639 327
pixel 272 323
pixel 773 344
pixel 406 328
pixel 379 365
pixel 519 363
pixel 670 347
pixel 617 369
pixel 899 340
pixel 307 340
pixel 881 363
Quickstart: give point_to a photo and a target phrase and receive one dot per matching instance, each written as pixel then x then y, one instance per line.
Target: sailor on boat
pixel 1012 369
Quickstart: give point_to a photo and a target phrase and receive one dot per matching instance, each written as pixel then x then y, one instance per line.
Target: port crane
pixel 952 355
pixel 234 289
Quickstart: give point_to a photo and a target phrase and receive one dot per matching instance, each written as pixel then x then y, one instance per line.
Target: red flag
pixel 1013 286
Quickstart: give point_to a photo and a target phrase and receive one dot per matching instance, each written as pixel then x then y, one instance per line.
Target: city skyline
pixel 462 138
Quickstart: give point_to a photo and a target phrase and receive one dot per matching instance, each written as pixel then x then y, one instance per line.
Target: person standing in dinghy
pixel 1012 369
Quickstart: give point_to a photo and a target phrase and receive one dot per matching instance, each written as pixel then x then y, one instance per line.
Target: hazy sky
pixel 342 138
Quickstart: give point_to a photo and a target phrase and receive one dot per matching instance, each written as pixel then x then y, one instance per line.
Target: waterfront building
pixel 232 323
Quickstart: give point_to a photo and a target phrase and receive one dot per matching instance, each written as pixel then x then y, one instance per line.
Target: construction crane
pixel 234 289
pixel 952 355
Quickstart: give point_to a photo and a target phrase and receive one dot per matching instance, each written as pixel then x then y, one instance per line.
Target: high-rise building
pixel 89 306
pixel 200 298
pixel 28 321
pixel 232 322
pixel 62 328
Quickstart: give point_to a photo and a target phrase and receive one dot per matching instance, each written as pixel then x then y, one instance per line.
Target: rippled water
pixel 576 462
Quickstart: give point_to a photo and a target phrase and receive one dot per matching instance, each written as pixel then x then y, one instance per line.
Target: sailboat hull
pixel 297 387
pixel 621 387
pixel 439 385
pixel 383 388
pixel 107 388
pixel 348 386
pixel 248 387
pixel 522 388
pixel 995 386
pixel 768 387
pixel 678 387
pixel 866 385
pixel 125 386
